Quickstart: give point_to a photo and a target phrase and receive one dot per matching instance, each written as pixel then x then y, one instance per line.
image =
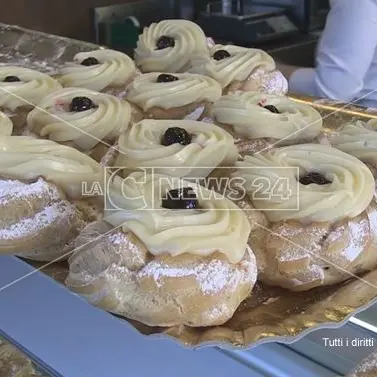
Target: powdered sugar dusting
pixel 212 277
pixel 216 312
pixel 32 225
pixel 369 365
pixel 270 82
pixel 15 190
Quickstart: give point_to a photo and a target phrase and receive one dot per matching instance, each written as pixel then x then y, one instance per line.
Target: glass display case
pixel 65 336
pixel 15 363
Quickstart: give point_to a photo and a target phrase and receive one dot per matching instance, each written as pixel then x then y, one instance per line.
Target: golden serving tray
pixel 270 314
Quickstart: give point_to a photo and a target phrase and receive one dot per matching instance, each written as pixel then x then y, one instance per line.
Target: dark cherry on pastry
pixel 164 77
pixel 165 42
pixel 272 108
pixel 81 104
pixel 184 198
pixel 221 54
pixel 12 79
pixel 313 177
pixel 90 61
pixel 174 135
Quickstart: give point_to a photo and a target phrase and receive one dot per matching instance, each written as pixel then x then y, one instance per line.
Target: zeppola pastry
pixel 320 219
pixel 6 125
pixel 41 197
pixel 240 68
pixel 181 148
pixel 358 139
pixel 267 118
pixel 101 70
pixel 21 89
pixel 87 120
pixel 178 96
pixel 166 46
pixel 177 255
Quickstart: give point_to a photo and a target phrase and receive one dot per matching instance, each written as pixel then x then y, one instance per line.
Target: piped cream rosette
pixel 147 93
pixel 248 115
pixel 359 140
pixel 6 125
pixel 23 87
pixel 348 192
pixel 105 122
pixel 210 147
pixel 27 158
pixel 247 68
pixel 114 69
pixel 218 225
pixel 184 39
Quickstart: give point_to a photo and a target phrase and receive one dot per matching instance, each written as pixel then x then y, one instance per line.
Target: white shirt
pixel 346 62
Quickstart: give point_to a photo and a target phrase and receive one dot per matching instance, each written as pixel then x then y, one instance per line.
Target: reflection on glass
pixel 13 363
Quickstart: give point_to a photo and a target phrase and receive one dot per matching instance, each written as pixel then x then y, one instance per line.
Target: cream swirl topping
pixel 210 147
pixel 272 180
pixel 147 93
pixel 29 91
pixel 27 158
pixel 247 114
pixel 359 140
pixel 114 69
pixel 238 66
pixel 188 38
pixel 6 125
pixel 219 225
pixel 53 119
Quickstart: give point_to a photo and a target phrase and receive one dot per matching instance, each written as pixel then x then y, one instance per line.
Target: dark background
pixel 69 18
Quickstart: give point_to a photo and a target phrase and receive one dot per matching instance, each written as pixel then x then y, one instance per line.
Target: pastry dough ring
pixel 147 93
pixel 359 140
pixel 245 113
pixel 115 69
pixel 211 146
pixel 85 129
pixel 26 158
pixel 350 192
pixel 189 38
pixel 29 91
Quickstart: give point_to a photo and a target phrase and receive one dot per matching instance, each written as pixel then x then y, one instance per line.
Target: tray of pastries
pixel 184 189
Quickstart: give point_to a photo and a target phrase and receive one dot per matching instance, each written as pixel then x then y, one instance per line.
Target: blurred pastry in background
pixel 84 119
pixel 101 70
pixel 179 148
pixel 320 215
pixel 172 253
pixel 21 89
pixel 358 139
pixel 46 197
pixel 266 119
pixel 173 96
pixel 240 68
pixel 166 46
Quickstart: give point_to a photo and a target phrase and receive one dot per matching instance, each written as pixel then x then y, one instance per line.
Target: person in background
pixel 346 60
